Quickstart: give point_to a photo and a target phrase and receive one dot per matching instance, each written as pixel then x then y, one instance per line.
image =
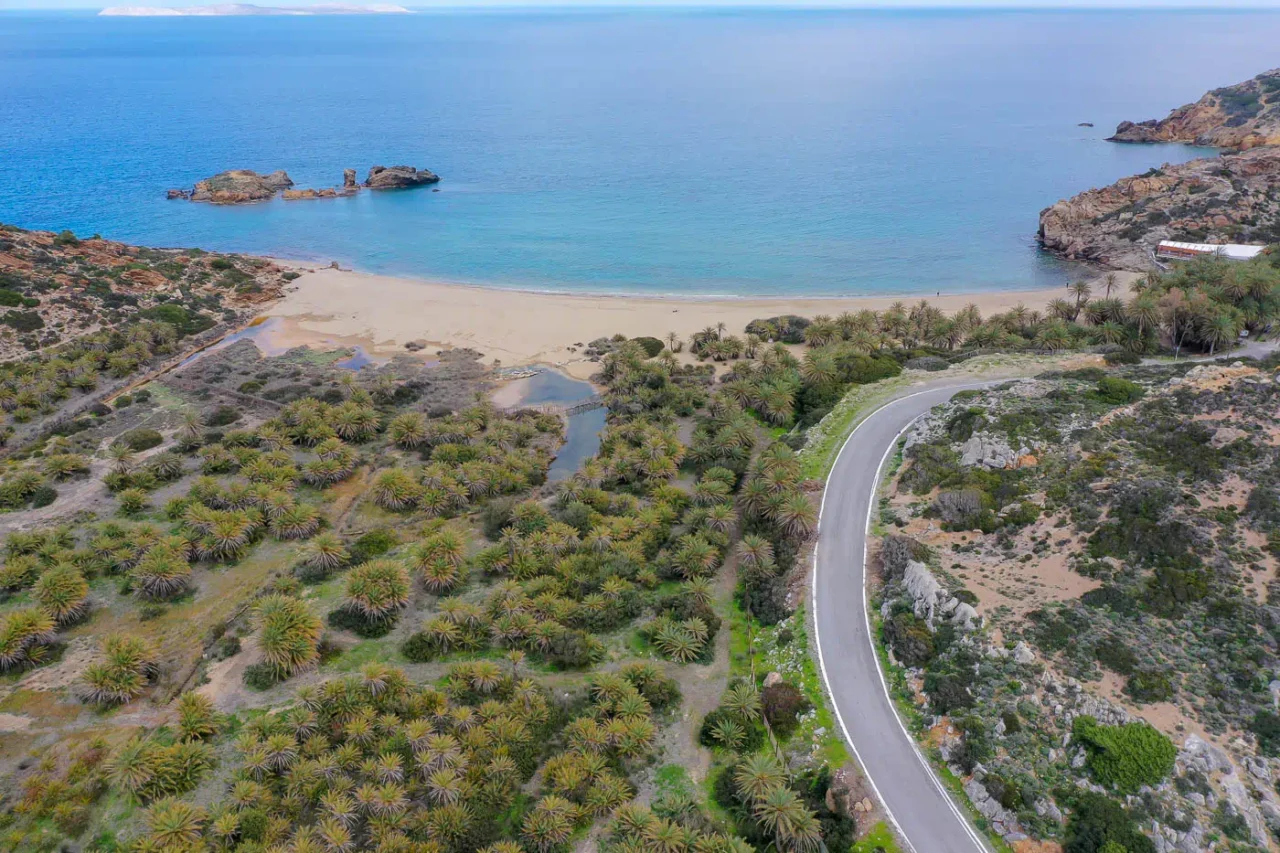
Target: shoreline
pixel 1090 272
pixel 518 327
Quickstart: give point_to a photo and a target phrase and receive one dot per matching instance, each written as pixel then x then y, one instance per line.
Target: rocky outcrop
pixel 244 186
pixel 239 186
pixel 1233 198
pixel 399 177
pixel 293 195
pixel 1237 117
pixel 931 600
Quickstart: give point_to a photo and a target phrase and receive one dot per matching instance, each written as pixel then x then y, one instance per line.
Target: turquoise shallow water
pixel 730 152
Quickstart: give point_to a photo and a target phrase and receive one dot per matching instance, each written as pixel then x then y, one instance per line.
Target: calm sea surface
pixel 731 152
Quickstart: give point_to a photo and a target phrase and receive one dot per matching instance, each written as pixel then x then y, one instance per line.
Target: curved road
pixel 923 812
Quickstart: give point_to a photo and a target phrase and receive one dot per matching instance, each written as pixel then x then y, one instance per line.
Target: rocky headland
pixel 1236 118
pixel 1232 198
pixel 245 186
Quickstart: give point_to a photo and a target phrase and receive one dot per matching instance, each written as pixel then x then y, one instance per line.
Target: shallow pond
pixel 582 435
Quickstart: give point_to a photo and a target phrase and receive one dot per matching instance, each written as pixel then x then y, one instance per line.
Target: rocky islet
pixel 245 186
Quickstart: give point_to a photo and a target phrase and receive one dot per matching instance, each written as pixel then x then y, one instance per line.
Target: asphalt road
pixel 925 815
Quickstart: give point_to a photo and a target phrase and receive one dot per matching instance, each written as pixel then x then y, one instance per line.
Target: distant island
pixel 229 9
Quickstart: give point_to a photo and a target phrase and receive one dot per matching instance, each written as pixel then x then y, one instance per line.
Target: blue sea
pixel 758 152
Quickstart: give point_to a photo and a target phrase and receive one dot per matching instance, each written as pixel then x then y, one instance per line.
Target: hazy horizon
pixel 1151 5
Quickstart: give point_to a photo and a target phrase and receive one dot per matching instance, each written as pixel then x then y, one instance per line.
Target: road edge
pixel 970 829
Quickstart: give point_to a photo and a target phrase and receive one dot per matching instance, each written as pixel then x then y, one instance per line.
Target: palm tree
pixel 1109 283
pixel 176 825
pixel 743 701
pixel 1144 310
pixel 757 775
pixel 796 515
pixel 1080 290
pixel 63 593
pixel 290 633
pixel 782 812
pixel 1219 330
pixel 377 589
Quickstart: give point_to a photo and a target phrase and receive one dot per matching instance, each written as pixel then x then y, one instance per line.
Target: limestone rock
pixel 399 177
pixel 240 186
pixel 992 452
pixel 932 600
pixel 173 194
pixel 349 179
pixel 1237 117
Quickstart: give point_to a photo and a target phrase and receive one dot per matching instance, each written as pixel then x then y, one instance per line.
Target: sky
pixel 879 4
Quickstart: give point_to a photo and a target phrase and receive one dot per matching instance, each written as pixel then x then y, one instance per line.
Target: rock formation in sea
pixel 398 177
pixel 239 186
pixel 1237 118
pixel 244 186
pixel 1233 198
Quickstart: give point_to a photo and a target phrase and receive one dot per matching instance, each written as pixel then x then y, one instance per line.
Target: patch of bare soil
pixel 14 723
pixel 79 654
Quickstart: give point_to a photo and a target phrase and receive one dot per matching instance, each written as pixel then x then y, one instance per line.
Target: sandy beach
pixel 513 327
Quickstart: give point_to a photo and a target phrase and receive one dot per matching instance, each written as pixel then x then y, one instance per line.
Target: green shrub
pixel 222 416
pixel 43 496
pixel 1266 728
pixel 346 619
pixel 910 639
pixel 23 321
pixel 1125 757
pixel 10 299
pixel 1150 686
pixel 262 676
pixel 66 238
pixel 140 439
pixel 651 346
pixel 184 320
pixel 1116 656
pixel 124 401
pixel 782 704
pixel 371 545
pixel 1117 391
pixel 1099 824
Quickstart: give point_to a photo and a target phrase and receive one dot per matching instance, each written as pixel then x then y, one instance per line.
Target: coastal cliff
pixel 1233 198
pixel 1237 118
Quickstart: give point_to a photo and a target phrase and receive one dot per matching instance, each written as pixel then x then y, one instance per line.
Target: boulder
pixel 399 177
pixel 293 195
pixel 240 186
pixel 349 179
pixel 172 194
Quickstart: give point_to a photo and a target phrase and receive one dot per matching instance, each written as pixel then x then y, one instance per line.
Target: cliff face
pixel 1237 117
pixel 1233 198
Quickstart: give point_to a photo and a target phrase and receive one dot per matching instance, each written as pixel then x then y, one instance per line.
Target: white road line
pixel 875 488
